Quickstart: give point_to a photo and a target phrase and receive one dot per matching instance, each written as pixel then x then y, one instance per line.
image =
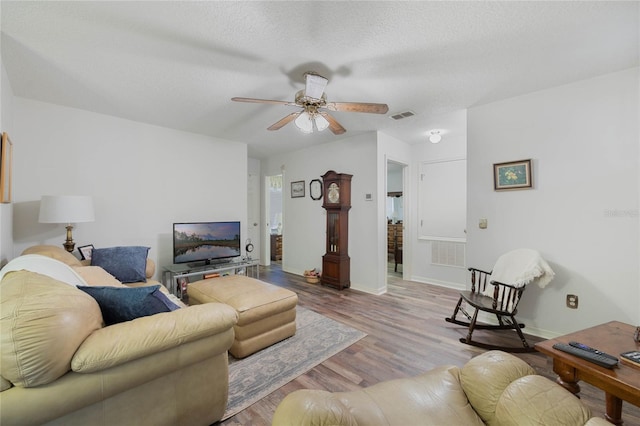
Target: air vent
pixel 401 115
pixel 448 253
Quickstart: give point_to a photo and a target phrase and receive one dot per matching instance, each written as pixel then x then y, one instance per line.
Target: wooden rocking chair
pixel 501 301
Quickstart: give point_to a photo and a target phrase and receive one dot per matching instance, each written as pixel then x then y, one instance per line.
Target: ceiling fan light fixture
pixel 304 123
pixel 434 136
pixel 321 122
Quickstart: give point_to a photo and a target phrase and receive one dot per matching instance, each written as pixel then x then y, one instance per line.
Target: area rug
pixel 317 338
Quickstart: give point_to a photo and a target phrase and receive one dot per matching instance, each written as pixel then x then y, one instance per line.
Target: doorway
pixel 275 218
pixel 395 217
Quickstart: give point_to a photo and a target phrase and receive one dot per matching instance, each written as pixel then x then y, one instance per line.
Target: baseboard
pixel 439 283
pixel 483 316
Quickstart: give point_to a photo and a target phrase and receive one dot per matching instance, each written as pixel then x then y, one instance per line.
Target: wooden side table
pixel 619 384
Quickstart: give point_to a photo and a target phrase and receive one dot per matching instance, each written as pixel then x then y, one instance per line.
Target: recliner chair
pixel 495 388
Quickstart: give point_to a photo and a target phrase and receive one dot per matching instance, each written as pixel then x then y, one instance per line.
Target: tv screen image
pixel 205 241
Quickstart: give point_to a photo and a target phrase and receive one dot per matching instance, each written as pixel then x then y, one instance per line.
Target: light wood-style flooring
pixel 406 335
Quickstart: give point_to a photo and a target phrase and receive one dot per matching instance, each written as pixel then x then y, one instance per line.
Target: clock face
pixel 333 193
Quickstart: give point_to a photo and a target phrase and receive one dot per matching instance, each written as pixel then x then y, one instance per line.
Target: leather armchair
pixel 494 388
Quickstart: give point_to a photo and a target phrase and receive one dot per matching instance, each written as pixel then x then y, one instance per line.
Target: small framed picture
pixel 85 252
pixel 297 189
pixel 315 189
pixel 512 175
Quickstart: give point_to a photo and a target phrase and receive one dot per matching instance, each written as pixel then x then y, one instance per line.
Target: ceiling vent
pixel 401 115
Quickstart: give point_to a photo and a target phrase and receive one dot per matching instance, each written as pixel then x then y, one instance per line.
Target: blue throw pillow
pixel 119 304
pixel 128 264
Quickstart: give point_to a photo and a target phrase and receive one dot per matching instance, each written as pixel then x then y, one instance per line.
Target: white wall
pixel 6 125
pixel 305 219
pixel 366 157
pixel 453 145
pixel 394 181
pixel 582 213
pixel 142 177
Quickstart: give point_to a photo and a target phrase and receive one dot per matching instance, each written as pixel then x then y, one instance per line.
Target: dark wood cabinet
pixel 394 243
pixel 276 247
pixel 336 263
pixel 394 237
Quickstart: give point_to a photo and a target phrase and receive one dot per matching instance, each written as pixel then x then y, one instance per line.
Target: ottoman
pixel 266 313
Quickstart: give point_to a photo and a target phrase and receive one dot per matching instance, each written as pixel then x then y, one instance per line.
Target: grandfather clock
pixel 337 202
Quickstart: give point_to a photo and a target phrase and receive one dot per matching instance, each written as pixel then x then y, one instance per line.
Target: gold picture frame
pixel 6 157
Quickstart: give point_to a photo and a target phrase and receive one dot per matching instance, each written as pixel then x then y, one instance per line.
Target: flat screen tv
pixel 206 242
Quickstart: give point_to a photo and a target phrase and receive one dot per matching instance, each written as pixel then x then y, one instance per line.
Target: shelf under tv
pixel 172 273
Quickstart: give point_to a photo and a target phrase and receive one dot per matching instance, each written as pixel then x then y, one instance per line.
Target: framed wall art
pixel 85 252
pixel 315 189
pixel 512 175
pixel 6 157
pixel 297 189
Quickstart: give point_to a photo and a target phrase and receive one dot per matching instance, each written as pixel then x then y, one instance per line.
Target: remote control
pixel 599 359
pixel 631 357
pixel 590 349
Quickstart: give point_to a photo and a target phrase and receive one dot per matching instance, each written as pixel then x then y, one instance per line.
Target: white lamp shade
pixel 66 209
pixel 321 123
pixel 304 123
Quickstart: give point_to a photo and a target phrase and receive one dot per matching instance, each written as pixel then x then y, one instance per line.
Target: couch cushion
pixel 42 323
pixel 149 272
pixel 521 403
pixel 128 263
pixel 125 304
pixel 55 252
pixel 485 377
pixel 96 276
pixel 435 396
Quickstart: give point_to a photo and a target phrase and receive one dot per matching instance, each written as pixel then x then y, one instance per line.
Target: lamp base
pixel 69 245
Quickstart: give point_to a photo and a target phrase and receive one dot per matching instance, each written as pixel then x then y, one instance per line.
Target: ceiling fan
pixel 313 102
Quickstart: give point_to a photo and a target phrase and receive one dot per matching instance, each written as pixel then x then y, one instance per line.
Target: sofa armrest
pixel 435 395
pixel 127 341
pixel 485 377
pixel 536 400
pixel 312 407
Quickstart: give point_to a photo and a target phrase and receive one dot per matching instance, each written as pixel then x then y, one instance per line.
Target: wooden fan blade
pixel 334 126
pixel 286 120
pixel 263 101
pixel 357 107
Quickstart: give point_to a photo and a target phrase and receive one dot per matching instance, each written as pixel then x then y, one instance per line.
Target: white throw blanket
pixel 518 268
pixel 46 266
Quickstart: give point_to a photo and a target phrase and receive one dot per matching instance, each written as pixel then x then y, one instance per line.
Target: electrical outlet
pixel 572 301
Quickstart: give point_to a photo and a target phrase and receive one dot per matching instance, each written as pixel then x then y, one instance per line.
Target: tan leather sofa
pixel 83 267
pixel 494 388
pixel 60 365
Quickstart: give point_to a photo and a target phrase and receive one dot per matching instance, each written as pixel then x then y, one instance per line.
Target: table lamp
pixel 66 209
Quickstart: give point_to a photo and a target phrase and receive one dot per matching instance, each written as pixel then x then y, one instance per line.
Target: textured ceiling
pixel 177 63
